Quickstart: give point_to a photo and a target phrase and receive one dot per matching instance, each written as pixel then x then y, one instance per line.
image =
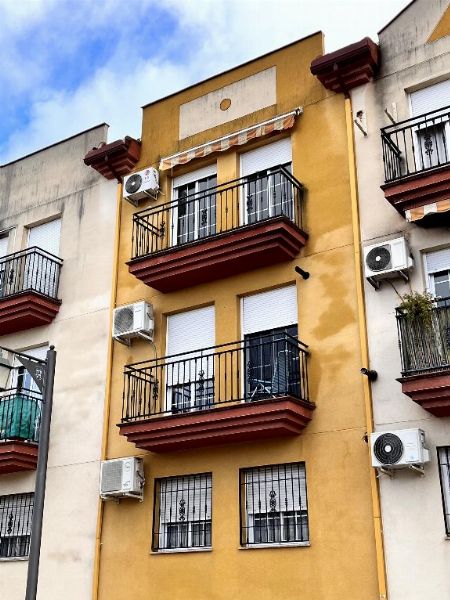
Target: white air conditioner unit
pixel 122 478
pixel 399 449
pixel 141 185
pixel 133 320
pixel 387 260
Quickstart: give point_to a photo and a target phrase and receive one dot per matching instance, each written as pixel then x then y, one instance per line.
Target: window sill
pixel 179 550
pixel 14 559
pixel 285 545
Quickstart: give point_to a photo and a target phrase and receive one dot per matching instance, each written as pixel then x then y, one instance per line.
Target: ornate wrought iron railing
pixel 243 371
pixel 425 343
pixel 223 208
pixel 416 145
pixel 30 270
pixel 16 512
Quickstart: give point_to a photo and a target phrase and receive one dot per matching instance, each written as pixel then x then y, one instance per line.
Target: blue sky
pixel 67 65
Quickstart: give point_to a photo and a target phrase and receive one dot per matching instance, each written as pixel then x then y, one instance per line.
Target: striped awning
pixel 239 138
pixel 415 214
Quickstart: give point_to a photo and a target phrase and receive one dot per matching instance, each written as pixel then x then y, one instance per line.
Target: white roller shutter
pixel 430 98
pixel 46 236
pixel 195 175
pixel 287 481
pixel 269 310
pixel 437 261
pixel 191 330
pixel 266 157
pixel 3 246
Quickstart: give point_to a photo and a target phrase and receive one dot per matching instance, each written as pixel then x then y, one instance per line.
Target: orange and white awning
pixel 415 214
pixel 239 138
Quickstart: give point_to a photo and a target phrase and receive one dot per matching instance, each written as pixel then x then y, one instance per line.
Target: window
pixel 16 513
pixel 273 505
pixel 437 266
pixel 182 516
pixel 3 252
pixel 444 472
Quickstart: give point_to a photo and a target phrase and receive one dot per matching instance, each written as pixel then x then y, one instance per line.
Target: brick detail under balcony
pixel 259 245
pixel 17 456
pixel 116 159
pixel 245 422
pixel 25 311
pixel 431 391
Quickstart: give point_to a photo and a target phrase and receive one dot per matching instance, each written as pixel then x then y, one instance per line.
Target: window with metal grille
pixel 444 472
pixel 274 505
pixel 182 513
pixel 16 512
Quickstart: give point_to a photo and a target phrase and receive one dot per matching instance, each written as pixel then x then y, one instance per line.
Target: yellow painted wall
pixel 340 562
pixel 442 29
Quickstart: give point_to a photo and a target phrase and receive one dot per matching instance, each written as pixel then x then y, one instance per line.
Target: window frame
pixel 445 493
pixel 23 507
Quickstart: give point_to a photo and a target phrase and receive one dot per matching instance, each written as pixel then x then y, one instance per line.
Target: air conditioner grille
pixel 124 320
pixel 133 183
pixel 379 258
pixel 111 476
pixel 388 448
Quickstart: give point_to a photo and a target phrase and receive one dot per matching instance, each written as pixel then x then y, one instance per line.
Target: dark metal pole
pixel 41 476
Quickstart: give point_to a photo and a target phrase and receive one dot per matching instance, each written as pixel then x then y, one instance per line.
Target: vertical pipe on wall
pixel 104 449
pixel 378 528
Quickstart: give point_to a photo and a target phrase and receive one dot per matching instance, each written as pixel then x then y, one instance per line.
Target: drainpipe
pixel 377 522
pixel 106 414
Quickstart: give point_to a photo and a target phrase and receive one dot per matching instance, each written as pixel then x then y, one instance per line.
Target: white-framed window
pixel 444 472
pixel 4 239
pixel 194 214
pixel 274 507
pixel 182 515
pixel 437 269
pixel 16 512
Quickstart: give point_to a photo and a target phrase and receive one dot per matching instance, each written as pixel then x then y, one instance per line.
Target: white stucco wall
pixel 55 182
pixel 417 551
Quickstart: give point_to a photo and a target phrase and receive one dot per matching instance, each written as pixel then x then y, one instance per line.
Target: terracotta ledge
pixel 431 391
pixel 237 251
pixel 348 67
pixel 26 310
pixel 17 456
pixel 420 189
pixel 116 159
pixel 244 422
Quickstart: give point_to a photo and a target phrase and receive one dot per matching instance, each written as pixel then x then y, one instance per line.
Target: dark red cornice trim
pixel 116 159
pixel 431 391
pixel 17 456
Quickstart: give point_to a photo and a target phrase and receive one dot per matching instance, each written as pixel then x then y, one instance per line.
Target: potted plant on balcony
pixel 418 307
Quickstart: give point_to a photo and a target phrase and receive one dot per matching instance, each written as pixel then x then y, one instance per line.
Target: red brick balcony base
pixel 229 253
pixel 25 311
pixel 244 422
pixel 17 456
pixel 430 390
pixel 419 190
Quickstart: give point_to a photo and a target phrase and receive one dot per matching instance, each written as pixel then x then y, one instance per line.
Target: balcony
pixel 425 356
pixel 28 289
pixel 416 156
pixel 245 224
pixel 239 392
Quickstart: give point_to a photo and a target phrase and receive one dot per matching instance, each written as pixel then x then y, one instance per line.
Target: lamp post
pixel 43 373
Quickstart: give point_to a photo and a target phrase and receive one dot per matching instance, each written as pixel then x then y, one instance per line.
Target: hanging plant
pixel 417 306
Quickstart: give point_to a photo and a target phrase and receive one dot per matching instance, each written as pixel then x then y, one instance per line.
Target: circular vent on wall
pixel 133 183
pixel 378 259
pixel 388 449
pixel 123 320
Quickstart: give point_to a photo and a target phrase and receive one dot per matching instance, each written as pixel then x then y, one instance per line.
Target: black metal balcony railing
pixel 425 346
pixel 244 371
pixel 213 211
pixel 416 145
pixel 30 270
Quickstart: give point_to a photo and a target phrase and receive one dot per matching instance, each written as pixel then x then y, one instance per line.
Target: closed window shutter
pixel 190 330
pixel 269 310
pixel 430 98
pixel 46 236
pixel 283 485
pixel 194 175
pixel 437 261
pixel 192 493
pixel 3 246
pixel 266 157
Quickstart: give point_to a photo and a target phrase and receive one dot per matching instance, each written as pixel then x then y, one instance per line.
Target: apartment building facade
pixel 402 139
pixel 57 222
pixel 244 398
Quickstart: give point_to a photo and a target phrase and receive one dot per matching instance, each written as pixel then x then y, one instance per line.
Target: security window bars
pixel 182 513
pixel 16 513
pixel 274 505
pixel 444 471
pixel 195 210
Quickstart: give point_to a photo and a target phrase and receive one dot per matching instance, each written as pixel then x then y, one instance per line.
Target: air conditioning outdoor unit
pixel 387 260
pixel 122 478
pixel 133 320
pixel 141 185
pixel 404 448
